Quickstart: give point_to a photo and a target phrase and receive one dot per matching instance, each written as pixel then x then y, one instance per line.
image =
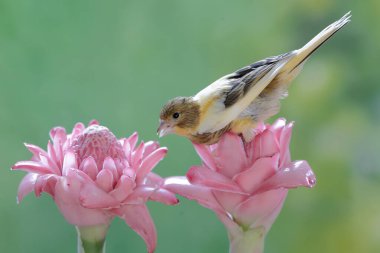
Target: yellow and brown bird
pixel 238 101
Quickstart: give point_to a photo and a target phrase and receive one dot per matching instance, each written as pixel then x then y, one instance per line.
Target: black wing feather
pixel 245 78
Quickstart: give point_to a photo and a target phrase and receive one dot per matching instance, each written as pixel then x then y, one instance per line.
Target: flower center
pixel 99 143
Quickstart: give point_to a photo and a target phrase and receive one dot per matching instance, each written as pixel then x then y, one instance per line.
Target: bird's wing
pixel 223 101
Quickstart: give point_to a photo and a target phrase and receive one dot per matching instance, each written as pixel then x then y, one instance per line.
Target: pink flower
pixel 245 184
pixel 93 177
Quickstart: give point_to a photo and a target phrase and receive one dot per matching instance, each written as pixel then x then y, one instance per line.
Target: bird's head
pixel 179 116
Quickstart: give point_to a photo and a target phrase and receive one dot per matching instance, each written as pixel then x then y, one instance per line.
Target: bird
pixel 237 102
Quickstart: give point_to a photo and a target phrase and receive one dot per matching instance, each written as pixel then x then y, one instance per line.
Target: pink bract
pixel 245 184
pixel 93 177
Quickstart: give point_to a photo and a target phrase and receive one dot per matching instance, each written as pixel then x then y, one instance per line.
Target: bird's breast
pixel 209 137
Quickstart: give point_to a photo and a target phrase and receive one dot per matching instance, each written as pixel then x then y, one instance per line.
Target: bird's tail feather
pixel 304 52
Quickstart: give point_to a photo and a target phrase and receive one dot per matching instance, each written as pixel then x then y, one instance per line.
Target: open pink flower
pixel 245 184
pixel 93 177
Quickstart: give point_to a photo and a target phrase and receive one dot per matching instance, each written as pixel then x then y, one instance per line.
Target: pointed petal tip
pixel 16 166
pixel 311 180
pixel 139 219
pixel 134 135
pixel 205 154
pixel 296 174
pixel 58 130
pixel 191 173
pixel 31 166
pixel 93 122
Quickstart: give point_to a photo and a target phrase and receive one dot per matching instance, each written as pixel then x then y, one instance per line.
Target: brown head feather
pixel 187 110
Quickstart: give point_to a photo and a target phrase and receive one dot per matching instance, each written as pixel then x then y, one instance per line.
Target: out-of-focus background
pixel 120 61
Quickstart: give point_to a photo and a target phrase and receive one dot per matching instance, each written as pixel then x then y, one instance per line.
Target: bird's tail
pixel 303 53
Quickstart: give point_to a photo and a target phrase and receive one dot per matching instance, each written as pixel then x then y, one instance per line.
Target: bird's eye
pixel 176 115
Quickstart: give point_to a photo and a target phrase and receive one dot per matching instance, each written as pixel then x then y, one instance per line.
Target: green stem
pixel 249 241
pixel 91 239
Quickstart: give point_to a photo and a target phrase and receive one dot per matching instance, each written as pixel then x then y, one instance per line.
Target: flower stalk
pixel 248 241
pixel 91 239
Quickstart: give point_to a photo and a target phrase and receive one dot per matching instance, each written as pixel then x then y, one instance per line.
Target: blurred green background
pixel 120 61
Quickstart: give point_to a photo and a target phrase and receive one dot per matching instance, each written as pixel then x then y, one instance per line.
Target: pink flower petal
pixel 139 219
pixel 110 165
pixel 230 155
pixel 45 160
pixel 150 162
pixel 265 144
pixel 260 127
pixel 67 198
pixel 297 174
pixel 150 147
pixel 153 180
pixel 35 150
pixel 90 195
pixel 69 162
pixel 123 188
pixel 164 196
pixel 89 167
pixel 105 180
pixel 250 147
pixel 254 212
pixel 53 157
pixel 40 183
pixel 26 186
pixel 228 200
pixel 129 145
pixel 127 151
pixel 58 135
pixel 140 195
pixel 137 155
pixel 271 217
pixel 93 122
pixel 250 151
pixel 206 177
pixel 45 183
pixel 277 127
pixel 284 144
pixel 129 172
pixel 252 178
pixel 32 167
pixel 59 154
pixel 78 129
pixel 206 156
pixel 132 140
pixel 203 195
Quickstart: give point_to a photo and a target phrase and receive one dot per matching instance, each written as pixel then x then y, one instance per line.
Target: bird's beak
pixel 164 129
